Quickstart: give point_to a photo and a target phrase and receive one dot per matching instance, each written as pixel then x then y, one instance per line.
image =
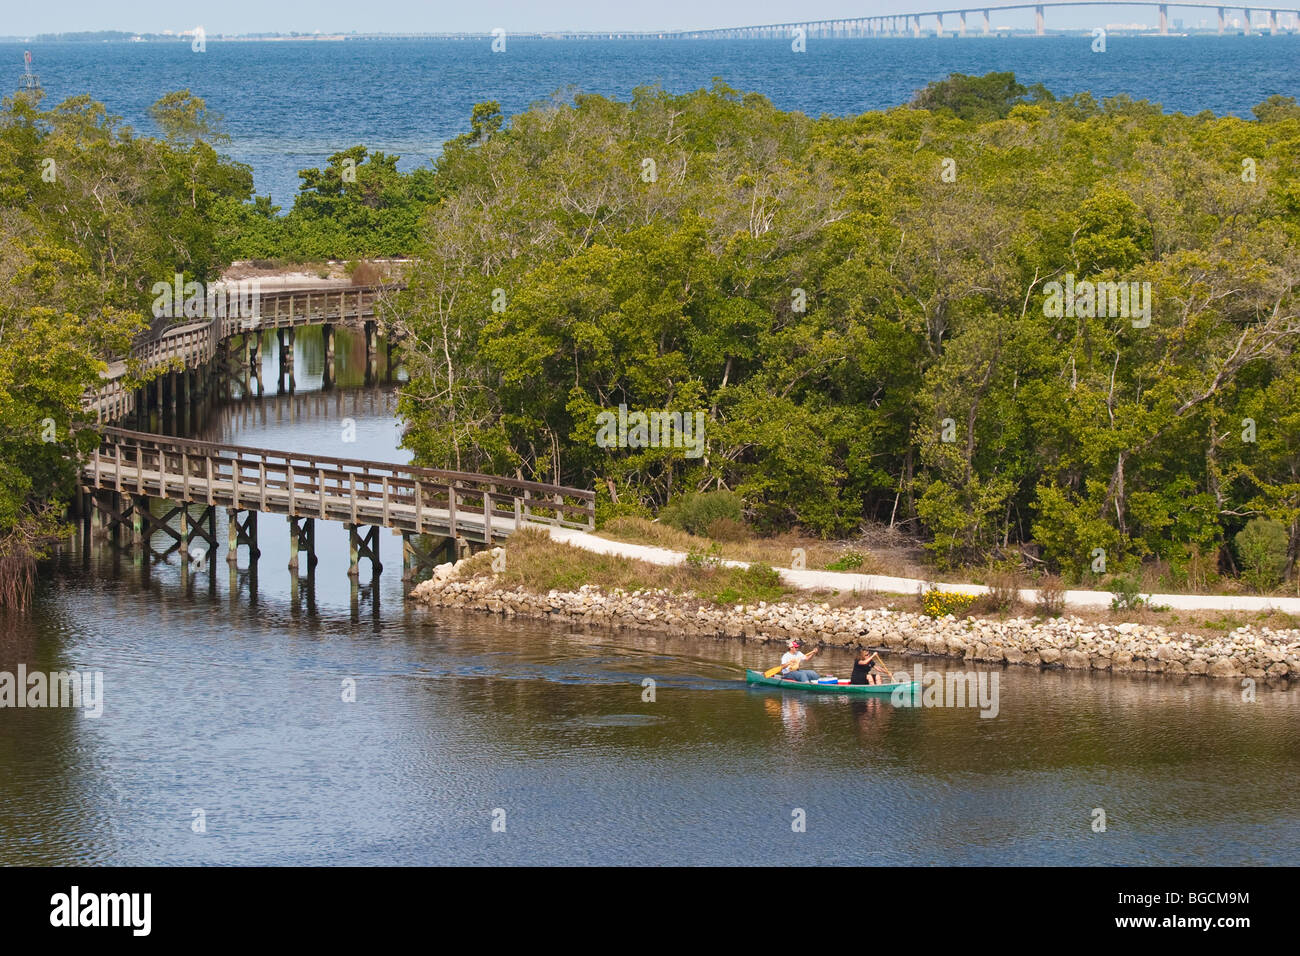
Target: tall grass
pixel 777 551
pixel 539 564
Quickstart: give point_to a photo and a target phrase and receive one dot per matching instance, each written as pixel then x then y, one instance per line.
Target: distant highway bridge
pixel 901 24
pixel 912 23
pixel 886 24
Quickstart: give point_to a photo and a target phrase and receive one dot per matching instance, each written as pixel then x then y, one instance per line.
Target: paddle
pixel 876 655
pixel 773 671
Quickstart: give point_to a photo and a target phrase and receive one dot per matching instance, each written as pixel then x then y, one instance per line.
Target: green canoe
pixel 907 687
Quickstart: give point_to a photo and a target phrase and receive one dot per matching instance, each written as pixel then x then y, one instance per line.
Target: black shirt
pixel 860 671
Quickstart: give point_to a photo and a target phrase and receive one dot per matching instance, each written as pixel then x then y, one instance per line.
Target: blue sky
pixel 410 16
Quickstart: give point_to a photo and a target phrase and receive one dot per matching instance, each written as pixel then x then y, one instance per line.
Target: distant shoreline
pixel 605 35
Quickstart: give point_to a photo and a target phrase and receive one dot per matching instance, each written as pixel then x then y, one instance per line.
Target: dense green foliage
pixel 358 206
pixel 981 98
pixel 696 512
pixel 1262 550
pixel 860 307
pixel 90 217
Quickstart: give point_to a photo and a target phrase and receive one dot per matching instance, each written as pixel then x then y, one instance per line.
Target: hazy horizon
pixel 328 17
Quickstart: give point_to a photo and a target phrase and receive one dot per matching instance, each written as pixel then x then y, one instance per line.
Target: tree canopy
pixel 863 306
pixel 91 215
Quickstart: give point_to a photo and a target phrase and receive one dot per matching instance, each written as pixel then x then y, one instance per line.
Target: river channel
pixel 481 741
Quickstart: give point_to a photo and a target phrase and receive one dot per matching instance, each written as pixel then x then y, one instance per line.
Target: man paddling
pixel 792 660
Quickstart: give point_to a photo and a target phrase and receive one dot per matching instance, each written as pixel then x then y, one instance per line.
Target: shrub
pixel 608 512
pixel 849 562
pixel 1004 590
pixel 696 558
pixel 1261 549
pixel 760 575
pixel 1193 567
pixel 364 273
pixel 1051 596
pixel 728 529
pixel 1126 592
pixel 758 582
pixel 942 603
pixel 693 513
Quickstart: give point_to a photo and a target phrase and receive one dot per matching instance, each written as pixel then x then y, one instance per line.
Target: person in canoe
pixel 864 668
pixel 792 664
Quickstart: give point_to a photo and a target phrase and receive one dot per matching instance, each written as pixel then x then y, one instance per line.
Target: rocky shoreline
pixel 1068 642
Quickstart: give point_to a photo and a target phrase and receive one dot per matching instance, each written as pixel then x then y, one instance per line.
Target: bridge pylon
pixel 302 537
pixel 241 531
pixel 363 544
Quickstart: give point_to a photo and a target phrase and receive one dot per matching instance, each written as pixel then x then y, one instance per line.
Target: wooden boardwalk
pixel 194 345
pixel 144 482
pixel 129 469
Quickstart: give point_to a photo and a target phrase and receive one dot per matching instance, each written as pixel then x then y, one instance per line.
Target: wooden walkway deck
pixel 128 469
pixel 192 345
pixel 132 470
pixel 480 508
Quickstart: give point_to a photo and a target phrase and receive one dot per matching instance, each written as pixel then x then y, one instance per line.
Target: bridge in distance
pixel 899 24
pixel 911 23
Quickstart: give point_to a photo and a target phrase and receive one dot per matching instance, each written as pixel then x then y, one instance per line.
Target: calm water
pixel 288 106
pixel 223 693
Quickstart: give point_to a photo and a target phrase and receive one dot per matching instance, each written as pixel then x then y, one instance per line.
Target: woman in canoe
pixel 864 668
pixel 792 664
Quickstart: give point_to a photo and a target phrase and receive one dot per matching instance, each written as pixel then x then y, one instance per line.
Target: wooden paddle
pixel 773 671
pixel 876 655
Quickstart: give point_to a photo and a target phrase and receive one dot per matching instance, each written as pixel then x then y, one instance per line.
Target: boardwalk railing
pixel 479 508
pixel 195 343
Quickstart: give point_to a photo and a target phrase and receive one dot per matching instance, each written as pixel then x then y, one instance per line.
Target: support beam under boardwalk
pixel 241 531
pixel 363 544
pixel 421 553
pixel 302 537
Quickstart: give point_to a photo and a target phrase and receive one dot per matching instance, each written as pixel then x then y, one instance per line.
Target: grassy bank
pixel 777 551
pixel 539 564
pixel 877 550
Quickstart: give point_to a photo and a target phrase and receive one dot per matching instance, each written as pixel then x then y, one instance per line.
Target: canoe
pixel 905 687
